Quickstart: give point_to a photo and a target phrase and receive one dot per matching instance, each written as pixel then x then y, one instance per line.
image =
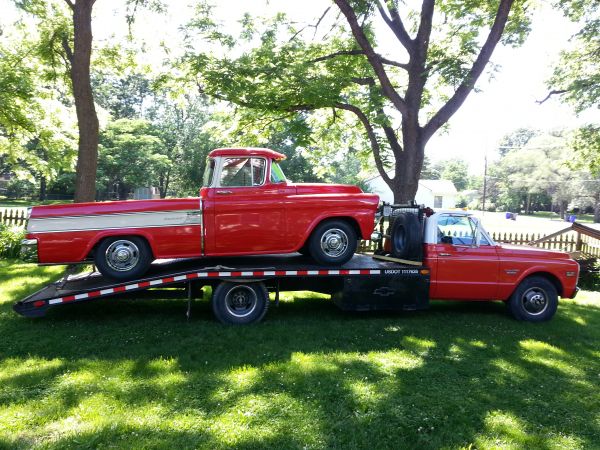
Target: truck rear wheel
pixel 534 300
pixel 240 303
pixel 405 235
pixel 333 242
pixel 123 257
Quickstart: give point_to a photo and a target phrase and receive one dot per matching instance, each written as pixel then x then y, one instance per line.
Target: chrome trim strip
pixel 77 216
pixel 115 221
pixel 117 228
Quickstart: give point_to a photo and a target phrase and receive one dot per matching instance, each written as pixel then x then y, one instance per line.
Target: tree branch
pixel 550 94
pixel 384 60
pixel 70 3
pixel 372 57
pixel 67 48
pixel 366 81
pixel 336 54
pixel 372 138
pixel 422 39
pixel 396 25
pixel 467 85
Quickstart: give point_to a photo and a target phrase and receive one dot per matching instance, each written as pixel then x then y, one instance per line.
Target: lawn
pixel 135 374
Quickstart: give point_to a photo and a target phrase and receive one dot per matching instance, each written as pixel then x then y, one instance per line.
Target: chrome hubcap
pixel 334 242
pixel 534 301
pixel 241 301
pixel 122 255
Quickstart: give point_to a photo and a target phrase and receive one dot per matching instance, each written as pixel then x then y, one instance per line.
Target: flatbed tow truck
pixel 240 285
pixel 445 255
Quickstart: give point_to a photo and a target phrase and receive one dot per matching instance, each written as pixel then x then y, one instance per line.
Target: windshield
pixel 277 175
pixel 208 172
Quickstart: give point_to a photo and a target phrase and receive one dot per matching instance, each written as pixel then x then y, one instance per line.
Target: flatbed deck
pixel 363 283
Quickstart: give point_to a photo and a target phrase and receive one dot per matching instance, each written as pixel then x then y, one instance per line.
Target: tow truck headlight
pixel 376 236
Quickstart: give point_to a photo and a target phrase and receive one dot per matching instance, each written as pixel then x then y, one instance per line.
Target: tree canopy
pixel 337 64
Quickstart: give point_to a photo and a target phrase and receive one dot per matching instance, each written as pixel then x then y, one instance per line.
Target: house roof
pixel 435 186
pixel 439 186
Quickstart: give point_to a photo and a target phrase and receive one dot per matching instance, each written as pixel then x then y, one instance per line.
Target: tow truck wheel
pixel 123 257
pixel 534 300
pixel 333 243
pixel 240 303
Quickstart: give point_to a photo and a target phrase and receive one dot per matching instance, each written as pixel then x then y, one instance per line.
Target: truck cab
pixel 467 264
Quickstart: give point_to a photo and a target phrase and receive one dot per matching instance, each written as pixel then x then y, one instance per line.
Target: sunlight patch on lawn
pixel 509 369
pixel 260 418
pixel 550 356
pixel 505 430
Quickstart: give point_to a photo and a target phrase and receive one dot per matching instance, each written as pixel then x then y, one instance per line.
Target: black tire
pixel 333 243
pixel 135 260
pixel 240 303
pixel 534 300
pixel 406 240
pixel 304 250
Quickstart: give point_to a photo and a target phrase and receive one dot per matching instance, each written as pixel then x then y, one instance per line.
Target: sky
pixel 504 104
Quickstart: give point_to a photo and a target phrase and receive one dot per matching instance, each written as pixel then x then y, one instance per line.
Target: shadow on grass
pixel 135 374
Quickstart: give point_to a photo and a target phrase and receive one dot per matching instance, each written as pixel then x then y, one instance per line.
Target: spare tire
pixel 405 233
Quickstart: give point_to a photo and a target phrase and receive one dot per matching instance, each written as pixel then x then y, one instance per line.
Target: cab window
pixel 240 172
pixel 456 230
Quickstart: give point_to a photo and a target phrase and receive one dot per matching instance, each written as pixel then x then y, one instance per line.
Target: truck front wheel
pixel 534 300
pixel 240 303
pixel 123 257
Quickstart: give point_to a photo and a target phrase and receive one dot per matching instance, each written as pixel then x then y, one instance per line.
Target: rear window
pixel 243 172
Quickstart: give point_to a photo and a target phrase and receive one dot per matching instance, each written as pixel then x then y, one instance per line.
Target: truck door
pixel 463 269
pixel 249 211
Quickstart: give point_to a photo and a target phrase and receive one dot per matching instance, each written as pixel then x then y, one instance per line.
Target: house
pixel 432 193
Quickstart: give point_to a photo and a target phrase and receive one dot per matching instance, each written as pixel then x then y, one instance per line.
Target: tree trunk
pixel 563 208
pixel 87 120
pixel 597 207
pixel 42 188
pixel 408 165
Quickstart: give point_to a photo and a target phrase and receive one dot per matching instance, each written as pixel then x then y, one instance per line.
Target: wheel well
pixel 349 220
pixel 550 277
pixel 92 253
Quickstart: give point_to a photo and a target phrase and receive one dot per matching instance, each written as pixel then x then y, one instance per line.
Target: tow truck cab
pixel 466 263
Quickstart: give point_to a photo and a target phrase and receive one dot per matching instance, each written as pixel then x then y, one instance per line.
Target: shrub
pixel 10 240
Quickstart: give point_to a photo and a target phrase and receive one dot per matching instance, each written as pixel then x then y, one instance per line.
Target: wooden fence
pixel 13 216
pixel 573 241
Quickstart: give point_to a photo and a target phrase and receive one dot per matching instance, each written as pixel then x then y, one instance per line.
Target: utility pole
pixel 484 182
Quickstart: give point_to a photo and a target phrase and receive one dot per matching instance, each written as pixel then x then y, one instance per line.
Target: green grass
pixel 134 374
pixel 584 218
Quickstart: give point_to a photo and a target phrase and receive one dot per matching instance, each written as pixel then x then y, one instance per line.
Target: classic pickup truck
pixel 246 207
pixel 466 264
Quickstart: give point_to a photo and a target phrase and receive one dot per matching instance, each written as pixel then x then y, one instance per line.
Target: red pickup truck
pixel 246 207
pixel 466 264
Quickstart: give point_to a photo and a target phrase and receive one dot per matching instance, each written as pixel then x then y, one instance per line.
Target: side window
pixel 239 172
pixel 277 175
pixel 482 239
pixel 438 200
pixel 456 230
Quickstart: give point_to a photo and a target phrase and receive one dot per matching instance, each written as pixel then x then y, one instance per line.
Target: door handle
pixel 224 192
pixel 445 254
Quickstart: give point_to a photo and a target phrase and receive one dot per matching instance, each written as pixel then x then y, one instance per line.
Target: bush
pixel 10 240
